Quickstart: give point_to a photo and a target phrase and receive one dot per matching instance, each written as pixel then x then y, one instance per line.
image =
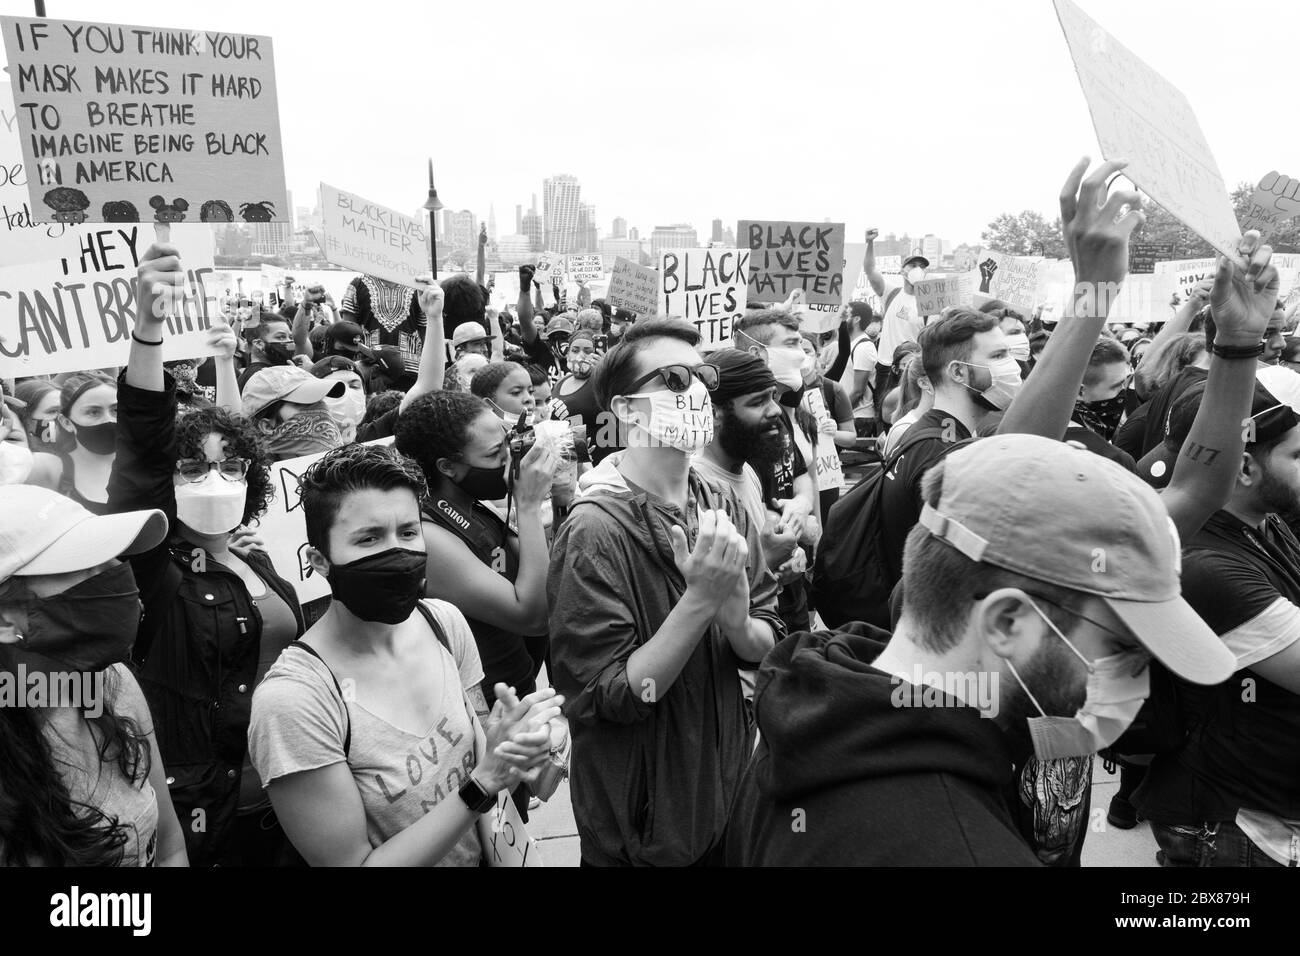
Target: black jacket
pixel 845 776
pixel 197 647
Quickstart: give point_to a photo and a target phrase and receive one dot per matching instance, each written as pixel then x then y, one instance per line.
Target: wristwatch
pixel 475 797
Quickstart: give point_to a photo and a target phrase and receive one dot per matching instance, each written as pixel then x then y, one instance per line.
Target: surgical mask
pixel 680 420
pixel 1102 417
pixel 89 626
pixel 511 419
pixel 98 439
pixel 211 506
pixel 16 463
pixel 1018 346
pixel 383 588
pixel 1117 687
pixel 914 275
pixel 484 484
pixel 787 365
pixel 348 409
pixel 1004 386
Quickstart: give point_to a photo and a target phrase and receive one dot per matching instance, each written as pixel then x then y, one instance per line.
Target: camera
pixel 522 438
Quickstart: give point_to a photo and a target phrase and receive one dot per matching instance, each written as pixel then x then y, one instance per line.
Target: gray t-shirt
pixel 298 723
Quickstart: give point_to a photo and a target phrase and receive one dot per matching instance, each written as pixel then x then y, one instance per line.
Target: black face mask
pixel 484 484
pixel 383 587
pixel 1102 417
pixel 98 439
pixel 792 397
pixel 89 626
pixel 277 354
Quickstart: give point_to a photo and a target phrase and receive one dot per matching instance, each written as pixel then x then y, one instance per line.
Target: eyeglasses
pixel 231 469
pixel 678 377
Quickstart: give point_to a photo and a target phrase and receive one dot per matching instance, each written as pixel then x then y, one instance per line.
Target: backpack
pixel 851 580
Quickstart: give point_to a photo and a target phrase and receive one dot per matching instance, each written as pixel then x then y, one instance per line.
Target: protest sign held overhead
pixel 944 292
pixel 1013 279
pixel 1275 200
pixel 368 237
pixel 1143 256
pixel 706 287
pixel 583 268
pixel 784 256
pixel 128 124
pixel 633 288
pixel 550 269
pixel 78 312
pixel 1142 117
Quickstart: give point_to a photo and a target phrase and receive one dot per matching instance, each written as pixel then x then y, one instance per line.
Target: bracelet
pixel 1237 351
pixel 137 338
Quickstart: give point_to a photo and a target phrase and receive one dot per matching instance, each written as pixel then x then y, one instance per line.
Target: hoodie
pixel 652 776
pixel 844 776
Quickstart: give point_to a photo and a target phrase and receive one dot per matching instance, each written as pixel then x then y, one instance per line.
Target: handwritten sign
pixel 784 256
pixel 1275 200
pixel 126 124
pixel 944 292
pixel 1142 117
pixel 1143 256
pixel 706 287
pixel 633 288
pixel 373 239
pixel 818 318
pixel 1013 279
pixel 830 470
pixel 1187 273
pixel 78 312
pixel 550 268
pixel 505 839
pixel 583 268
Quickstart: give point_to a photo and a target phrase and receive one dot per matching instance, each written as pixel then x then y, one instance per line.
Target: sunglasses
pixel 231 469
pixel 677 378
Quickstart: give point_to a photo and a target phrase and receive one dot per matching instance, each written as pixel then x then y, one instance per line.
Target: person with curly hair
pixel 216 613
pixel 81 779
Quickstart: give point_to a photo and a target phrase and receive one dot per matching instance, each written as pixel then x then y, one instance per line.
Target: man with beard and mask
pixel 287 405
pixel 658 596
pixel 896 752
pixel 900 320
pixel 1229 795
pixel 965 358
pixel 272 346
pixel 574 400
pixel 789 485
pixel 1102 397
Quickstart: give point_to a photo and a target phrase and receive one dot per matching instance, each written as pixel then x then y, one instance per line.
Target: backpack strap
pixel 347 740
pixel 889 300
pixel 438 632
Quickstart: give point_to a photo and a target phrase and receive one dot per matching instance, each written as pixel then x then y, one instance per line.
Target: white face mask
pixel 787 365
pixel 211 506
pixel 1018 346
pixel 16 463
pixel 1006 382
pixel 681 420
pixel 914 275
pixel 1117 687
pixel 347 409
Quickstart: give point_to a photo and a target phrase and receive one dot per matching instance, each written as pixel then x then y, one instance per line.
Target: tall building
pixel 585 238
pixel 273 239
pixel 631 249
pixel 560 213
pixel 729 238
pixel 717 231
pixel 931 247
pixel 532 228
pixel 620 228
pixel 492 223
pixel 462 231
pixel 634 233
pixel 519 219
pixel 513 250
pixel 677 236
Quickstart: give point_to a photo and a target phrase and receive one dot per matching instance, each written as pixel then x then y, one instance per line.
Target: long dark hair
pixel 40 822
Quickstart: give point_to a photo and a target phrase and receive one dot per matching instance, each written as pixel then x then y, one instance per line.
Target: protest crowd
pixel 871 591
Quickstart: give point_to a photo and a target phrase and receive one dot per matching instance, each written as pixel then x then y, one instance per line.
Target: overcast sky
pixel 912 117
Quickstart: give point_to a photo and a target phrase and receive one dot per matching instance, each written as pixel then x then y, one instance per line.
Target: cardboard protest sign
pixel 78 311
pixel 830 470
pixel 550 268
pixel 633 288
pixel 506 841
pixel 1142 117
pixel 818 318
pixel 1142 298
pixel 1143 256
pixel 22 237
pixel 706 287
pixel 368 237
pixel 944 292
pixel 1055 284
pixel 784 256
pixel 1187 273
pixel 505 290
pixel 889 265
pixel 1275 200
pixel 1013 279
pixel 854 252
pixel 126 124
pixel 583 268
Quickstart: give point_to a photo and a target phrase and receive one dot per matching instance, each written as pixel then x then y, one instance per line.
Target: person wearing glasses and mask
pixel 658 594
pixel 214 620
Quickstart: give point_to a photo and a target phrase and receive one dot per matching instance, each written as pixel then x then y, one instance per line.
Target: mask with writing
pixel 680 420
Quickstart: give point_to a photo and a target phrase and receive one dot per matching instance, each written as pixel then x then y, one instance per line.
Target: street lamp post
pixel 433 204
